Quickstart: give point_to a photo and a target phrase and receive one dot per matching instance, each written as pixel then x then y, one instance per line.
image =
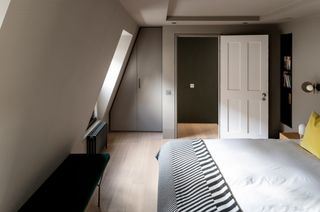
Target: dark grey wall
pixel 197 63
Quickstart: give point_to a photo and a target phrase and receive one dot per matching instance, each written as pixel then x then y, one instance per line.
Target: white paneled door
pixel 244 86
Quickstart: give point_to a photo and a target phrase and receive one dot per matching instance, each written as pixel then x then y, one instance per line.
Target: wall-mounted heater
pixel 97 139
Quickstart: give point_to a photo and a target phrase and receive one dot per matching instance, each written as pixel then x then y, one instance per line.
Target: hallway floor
pixel 197 130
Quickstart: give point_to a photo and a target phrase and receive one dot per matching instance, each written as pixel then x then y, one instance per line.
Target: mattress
pixel 269 175
pixel 263 175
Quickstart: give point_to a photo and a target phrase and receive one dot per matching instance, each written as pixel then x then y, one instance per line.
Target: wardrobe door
pixel 123 114
pixel 149 66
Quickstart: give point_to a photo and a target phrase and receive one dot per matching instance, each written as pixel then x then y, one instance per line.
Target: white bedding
pixel 269 175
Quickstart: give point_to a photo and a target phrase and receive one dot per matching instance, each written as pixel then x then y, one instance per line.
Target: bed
pixel 237 175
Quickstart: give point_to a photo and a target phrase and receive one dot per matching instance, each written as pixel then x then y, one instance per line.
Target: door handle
pixel 264 95
pixel 139 84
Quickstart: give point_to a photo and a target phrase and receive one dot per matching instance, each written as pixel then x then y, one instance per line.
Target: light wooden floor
pixel 192 131
pixel 131 178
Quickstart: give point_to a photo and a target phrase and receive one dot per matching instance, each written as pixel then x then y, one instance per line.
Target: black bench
pixel 71 185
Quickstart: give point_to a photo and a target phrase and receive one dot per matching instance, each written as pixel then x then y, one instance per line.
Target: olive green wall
pixel 197 63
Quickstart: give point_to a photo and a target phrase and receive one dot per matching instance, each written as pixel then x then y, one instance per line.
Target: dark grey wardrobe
pixel 138 105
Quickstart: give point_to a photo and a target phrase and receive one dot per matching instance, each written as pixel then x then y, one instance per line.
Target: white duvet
pixel 268 175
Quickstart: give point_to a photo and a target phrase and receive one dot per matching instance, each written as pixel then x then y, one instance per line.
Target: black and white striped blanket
pixel 190 180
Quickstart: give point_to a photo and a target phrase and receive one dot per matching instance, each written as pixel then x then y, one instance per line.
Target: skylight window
pixel 113 75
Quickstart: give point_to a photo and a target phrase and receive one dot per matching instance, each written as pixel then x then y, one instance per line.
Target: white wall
pixel 305 67
pixel 54 55
pixel 168 74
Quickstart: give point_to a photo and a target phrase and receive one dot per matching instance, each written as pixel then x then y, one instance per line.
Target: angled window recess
pixel 114 73
pixel 4 4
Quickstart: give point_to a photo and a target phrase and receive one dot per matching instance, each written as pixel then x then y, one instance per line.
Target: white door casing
pixel 244 86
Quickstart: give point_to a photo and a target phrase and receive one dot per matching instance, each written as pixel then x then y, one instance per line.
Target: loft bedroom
pixel 240 77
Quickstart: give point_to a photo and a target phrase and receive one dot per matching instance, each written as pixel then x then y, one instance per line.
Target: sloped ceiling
pixel 164 12
pixel 54 56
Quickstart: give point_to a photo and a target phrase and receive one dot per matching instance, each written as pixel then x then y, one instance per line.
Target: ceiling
pixel 165 12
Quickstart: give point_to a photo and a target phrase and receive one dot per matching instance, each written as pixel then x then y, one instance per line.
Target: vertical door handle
pixel 139 85
pixel 264 95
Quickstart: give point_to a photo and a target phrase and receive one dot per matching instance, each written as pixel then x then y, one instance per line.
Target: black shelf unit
pixel 286 79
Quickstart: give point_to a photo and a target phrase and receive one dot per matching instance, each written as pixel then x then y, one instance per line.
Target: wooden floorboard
pixel 131 178
pixel 197 130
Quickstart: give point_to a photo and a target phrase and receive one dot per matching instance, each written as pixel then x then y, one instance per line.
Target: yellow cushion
pixel 311 138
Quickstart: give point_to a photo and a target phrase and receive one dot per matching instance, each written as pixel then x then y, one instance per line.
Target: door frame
pixel 176 36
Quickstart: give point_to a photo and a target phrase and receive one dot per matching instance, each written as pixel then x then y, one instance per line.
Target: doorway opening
pixel 197 86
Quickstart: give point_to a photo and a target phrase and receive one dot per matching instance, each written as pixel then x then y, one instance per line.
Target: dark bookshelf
pixel 286 79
